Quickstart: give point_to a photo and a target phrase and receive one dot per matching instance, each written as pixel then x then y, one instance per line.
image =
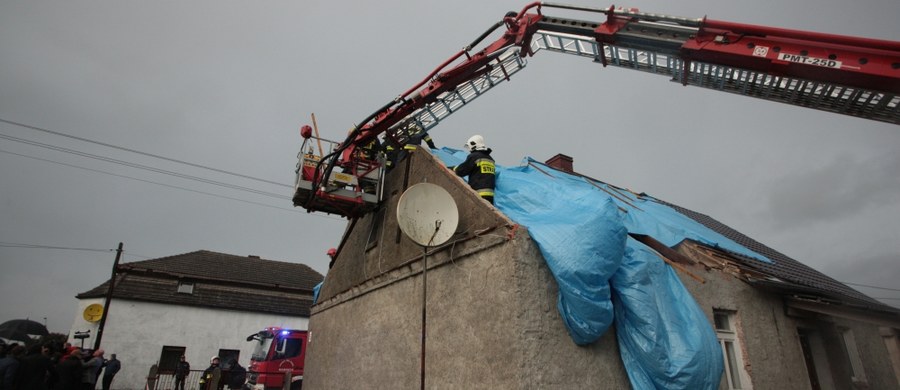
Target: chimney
pixel 561 162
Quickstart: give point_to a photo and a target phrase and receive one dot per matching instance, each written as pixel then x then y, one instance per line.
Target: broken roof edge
pixel 752 274
pixel 786 269
pixel 838 309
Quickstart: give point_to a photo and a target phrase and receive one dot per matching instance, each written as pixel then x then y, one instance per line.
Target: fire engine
pixel 846 75
pixel 277 355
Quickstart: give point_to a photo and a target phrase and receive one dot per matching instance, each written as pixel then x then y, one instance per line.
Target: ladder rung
pixel 875 105
pixel 429 116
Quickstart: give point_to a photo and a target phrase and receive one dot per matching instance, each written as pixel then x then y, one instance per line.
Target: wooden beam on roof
pixel 668 255
pixel 843 311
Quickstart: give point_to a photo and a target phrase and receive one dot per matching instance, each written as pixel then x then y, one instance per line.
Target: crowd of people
pixel 54 366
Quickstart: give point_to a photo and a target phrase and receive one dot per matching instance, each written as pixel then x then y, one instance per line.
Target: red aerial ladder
pixel 841 74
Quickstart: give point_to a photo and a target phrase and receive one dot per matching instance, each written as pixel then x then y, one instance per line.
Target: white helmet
pixel 475 142
pixel 213 358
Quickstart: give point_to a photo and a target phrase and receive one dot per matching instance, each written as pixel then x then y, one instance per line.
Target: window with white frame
pixel 185 287
pixel 859 375
pixel 736 375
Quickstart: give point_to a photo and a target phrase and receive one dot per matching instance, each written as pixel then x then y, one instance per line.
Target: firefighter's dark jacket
pixel 479 167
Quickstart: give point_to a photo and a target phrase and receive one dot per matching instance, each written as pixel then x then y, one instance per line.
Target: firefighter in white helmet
pixel 479 167
pixel 209 380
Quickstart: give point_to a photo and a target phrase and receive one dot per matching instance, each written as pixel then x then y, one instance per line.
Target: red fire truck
pixel 278 354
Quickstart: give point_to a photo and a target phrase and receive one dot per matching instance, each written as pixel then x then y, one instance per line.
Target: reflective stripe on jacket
pixel 480 168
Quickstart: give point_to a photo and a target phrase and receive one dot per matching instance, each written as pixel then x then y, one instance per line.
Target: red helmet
pixel 306 131
pixel 332 252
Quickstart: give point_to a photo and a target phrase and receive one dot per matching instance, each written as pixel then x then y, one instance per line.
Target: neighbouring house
pixel 492 307
pixel 199 304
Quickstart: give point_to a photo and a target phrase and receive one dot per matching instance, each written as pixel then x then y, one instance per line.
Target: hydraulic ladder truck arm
pixel 840 74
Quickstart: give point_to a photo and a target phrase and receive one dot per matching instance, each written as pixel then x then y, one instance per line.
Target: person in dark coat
pixel 91 369
pixel 479 167
pixel 182 370
pixel 420 135
pixel 113 366
pixel 237 375
pixel 36 369
pixel 69 371
pixel 9 366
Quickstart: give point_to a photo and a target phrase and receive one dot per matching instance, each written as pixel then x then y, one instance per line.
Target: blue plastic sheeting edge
pixel 665 340
pixel 316 291
pixel 583 248
pixel 645 215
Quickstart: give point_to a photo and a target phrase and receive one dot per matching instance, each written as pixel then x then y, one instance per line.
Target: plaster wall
pixel 772 352
pixel 492 323
pixel 873 353
pixel 769 339
pixel 137 331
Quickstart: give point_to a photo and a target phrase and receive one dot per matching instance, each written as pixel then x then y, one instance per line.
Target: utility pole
pixel 109 293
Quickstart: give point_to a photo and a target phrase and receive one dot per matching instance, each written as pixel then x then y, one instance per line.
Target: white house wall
pixel 80 325
pixel 137 331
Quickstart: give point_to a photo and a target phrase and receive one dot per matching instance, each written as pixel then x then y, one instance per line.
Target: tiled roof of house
pixel 805 278
pixel 219 281
pixel 249 269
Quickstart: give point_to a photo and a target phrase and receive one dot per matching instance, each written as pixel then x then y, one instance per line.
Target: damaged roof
pixel 761 265
pixel 791 274
pixel 784 273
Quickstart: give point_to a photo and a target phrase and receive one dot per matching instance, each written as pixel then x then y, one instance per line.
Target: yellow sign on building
pixel 93 312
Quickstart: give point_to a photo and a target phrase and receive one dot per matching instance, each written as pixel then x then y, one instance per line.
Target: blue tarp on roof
pixel 581 227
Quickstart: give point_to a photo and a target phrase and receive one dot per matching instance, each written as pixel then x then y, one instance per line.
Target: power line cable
pixel 44 246
pixel 865 285
pixel 153 182
pixel 139 166
pixel 39 246
pixel 168 185
pixel 61 134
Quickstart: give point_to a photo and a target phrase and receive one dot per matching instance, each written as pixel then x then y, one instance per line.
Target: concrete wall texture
pixel 770 341
pixel 492 321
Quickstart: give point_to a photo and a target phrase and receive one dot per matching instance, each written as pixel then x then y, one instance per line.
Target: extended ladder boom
pixel 841 74
pixel 845 75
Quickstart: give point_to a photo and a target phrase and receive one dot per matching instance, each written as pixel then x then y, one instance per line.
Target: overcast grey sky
pixel 226 84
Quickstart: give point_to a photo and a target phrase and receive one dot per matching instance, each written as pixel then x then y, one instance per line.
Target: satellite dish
pixel 427 214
